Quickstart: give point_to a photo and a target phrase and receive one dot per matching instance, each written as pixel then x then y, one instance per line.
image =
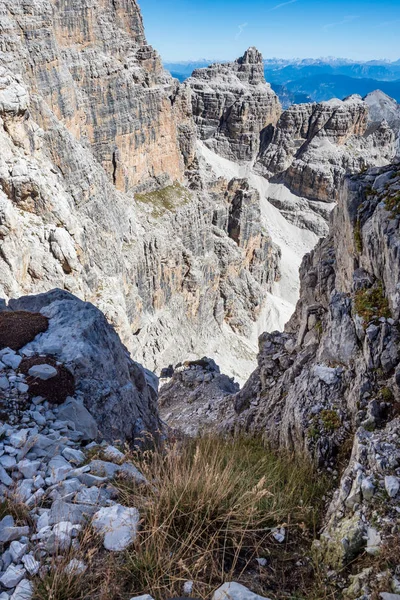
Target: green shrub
pixel 372 304
pixel 166 199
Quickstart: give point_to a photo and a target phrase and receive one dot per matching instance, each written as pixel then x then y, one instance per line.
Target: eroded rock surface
pixel 332 379
pixel 232 104
pixel 313 146
pixel 79 342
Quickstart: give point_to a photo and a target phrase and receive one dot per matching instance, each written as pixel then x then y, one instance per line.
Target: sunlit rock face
pixel 314 146
pixel 91 65
pixel 232 104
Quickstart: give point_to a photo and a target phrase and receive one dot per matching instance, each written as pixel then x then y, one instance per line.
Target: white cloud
pixel 345 20
pixel 283 4
pixel 241 29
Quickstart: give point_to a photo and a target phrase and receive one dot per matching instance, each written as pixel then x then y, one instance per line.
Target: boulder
pixel 112 386
pixel 118 525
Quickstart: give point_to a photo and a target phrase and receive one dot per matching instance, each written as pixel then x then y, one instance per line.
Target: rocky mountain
pixel 329 385
pixel 96 138
pixel 314 145
pixel 333 377
pixel 383 107
pixel 232 104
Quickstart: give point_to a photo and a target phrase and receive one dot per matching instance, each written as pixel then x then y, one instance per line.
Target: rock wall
pixel 232 104
pixel 314 146
pixel 332 380
pixel 89 64
pixel 166 276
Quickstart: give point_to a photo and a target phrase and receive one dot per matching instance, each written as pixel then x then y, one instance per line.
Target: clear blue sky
pixel 223 29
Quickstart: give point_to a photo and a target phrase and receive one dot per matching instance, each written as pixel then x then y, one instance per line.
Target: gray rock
pixel 392 485
pixel 75 411
pixel 31 564
pixel 113 387
pixel 75 513
pixel 76 567
pixel 18 438
pixel 11 360
pixel 23 591
pixel 4 477
pixel 28 468
pixel 17 550
pixel 235 591
pixel 118 524
pixel 8 531
pixel 73 455
pixel 13 575
pixel 43 372
pixel 8 462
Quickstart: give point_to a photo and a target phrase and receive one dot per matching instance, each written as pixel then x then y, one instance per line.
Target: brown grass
pixel 18 328
pixel 56 389
pixel 207 512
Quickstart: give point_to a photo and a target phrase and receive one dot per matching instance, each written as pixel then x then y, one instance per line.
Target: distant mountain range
pixel 304 80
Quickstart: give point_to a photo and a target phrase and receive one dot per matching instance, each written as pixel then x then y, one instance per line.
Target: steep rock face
pixel 89 63
pixel 118 392
pixel 333 376
pixel 314 145
pixel 384 108
pixel 163 270
pixel 232 104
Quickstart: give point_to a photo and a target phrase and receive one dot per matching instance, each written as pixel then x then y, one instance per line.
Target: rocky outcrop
pixel 163 273
pixel 232 104
pixel 331 381
pixel 384 108
pixel 191 397
pixel 90 67
pixel 119 394
pixel 314 146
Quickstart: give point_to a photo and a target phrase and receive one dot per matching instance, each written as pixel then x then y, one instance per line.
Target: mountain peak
pixel 252 56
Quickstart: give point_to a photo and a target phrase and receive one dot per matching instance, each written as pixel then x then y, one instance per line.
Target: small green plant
pixel 167 199
pixel 386 394
pixel 319 328
pixel 392 204
pixel 358 241
pixel 372 304
pixel 330 420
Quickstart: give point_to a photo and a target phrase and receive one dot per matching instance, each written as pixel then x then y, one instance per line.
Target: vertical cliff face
pixel 91 65
pixel 232 103
pixel 332 380
pixel 170 276
pixel 314 146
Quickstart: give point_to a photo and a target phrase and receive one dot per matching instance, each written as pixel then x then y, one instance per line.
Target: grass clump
pixel 209 510
pixel 392 204
pixel 358 241
pixel 372 304
pixel 165 199
pixel 18 510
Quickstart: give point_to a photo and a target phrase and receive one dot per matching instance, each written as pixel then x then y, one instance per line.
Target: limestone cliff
pixel 90 65
pixel 314 146
pixel 332 380
pixel 165 272
pixel 232 104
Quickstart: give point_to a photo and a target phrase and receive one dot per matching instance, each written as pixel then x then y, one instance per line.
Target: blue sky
pixel 223 29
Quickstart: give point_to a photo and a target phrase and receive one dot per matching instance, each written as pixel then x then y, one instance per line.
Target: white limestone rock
pixel 235 591
pixel 118 524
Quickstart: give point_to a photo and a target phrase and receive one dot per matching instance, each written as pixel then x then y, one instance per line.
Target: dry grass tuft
pixel 207 512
